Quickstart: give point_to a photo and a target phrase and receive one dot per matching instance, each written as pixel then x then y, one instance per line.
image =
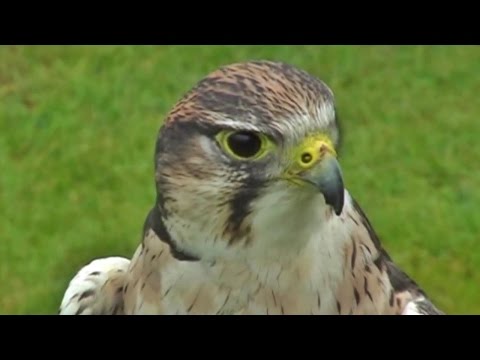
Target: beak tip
pixel 337 205
pixel 338 210
pixel 335 196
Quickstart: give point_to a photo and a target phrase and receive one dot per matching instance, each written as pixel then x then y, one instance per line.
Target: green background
pixel 78 126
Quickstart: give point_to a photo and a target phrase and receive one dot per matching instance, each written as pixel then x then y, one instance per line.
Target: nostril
pixel 306 158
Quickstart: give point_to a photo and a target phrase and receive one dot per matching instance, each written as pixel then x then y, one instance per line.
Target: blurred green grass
pixel 78 126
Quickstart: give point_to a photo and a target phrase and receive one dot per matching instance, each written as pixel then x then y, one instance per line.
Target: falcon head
pixel 246 163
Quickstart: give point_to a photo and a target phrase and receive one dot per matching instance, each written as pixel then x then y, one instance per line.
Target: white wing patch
pixel 421 306
pixel 411 309
pixel 96 288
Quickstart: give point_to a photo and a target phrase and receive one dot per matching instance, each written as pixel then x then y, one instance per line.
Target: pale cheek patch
pixel 207 146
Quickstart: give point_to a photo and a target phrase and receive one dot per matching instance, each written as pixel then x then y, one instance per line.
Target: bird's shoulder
pixel 155 267
pixel 405 291
pixel 97 288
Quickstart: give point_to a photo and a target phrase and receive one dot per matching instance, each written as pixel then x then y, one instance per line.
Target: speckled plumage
pixel 227 237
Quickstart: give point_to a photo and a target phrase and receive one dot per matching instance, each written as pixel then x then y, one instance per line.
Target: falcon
pixel 251 214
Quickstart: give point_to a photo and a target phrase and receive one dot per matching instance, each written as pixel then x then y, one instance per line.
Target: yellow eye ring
pixel 244 145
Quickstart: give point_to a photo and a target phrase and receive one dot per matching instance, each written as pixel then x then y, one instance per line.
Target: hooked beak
pixel 315 163
pixel 327 177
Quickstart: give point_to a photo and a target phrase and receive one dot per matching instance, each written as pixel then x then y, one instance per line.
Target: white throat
pixel 303 253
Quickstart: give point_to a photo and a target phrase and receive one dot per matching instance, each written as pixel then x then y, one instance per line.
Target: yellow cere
pixel 309 152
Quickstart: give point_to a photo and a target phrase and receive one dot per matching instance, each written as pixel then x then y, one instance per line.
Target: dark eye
pixel 244 144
